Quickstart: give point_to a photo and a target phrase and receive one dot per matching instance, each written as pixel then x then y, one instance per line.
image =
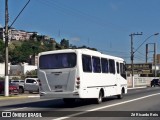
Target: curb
pixel 137 87
pixel 19 97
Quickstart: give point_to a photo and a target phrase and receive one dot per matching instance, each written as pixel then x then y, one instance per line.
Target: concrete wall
pixel 28 68
pixel 2 69
pixel 139 81
pixel 16 69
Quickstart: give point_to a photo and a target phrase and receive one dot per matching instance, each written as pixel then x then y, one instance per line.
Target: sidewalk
pixel 2 97
pixel 129 88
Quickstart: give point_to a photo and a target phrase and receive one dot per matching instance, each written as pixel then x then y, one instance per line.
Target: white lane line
pixel 16 109
pixel 99 108
pixel 33 96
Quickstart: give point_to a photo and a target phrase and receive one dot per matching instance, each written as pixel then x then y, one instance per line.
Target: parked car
pixel 20 83
pixel 13 88
pixel 31 85
pixel 155 82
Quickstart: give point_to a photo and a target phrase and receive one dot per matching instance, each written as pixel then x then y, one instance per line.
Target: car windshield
pixel 57 61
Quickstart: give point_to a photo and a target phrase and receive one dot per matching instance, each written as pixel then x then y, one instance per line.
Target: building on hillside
pixel 2 34
pixel 14 34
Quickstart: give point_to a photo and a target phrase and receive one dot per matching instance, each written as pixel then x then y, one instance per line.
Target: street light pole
pixel 6 50
pixel 132 52
pixel 132 56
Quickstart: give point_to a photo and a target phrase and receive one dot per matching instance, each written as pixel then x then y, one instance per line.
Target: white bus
pixel 81 73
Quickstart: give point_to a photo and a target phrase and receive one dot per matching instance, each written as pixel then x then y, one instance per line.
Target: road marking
pixel 99 108
pixel 33 96
pixel 16 109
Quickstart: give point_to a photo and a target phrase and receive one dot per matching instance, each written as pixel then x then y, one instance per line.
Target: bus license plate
pixel 58 87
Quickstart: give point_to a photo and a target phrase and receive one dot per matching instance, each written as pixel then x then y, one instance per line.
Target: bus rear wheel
pixel 120 96
pixel 100 98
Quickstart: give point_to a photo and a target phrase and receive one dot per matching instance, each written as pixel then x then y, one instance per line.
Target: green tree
pixel 2 51
pixel 64 43
pixel 32 74
pixel 88 48
pixel 21 53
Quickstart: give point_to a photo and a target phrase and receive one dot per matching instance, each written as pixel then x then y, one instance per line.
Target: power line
pixel 123 52
pixel 74 12
pixel 20 13
pixel 141 53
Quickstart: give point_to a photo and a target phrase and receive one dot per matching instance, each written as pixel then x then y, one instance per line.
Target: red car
pixel 13 88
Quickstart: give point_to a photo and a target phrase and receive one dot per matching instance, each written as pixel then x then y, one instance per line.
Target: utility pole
pixel 146 53
pixel 132 55
pixel 6 50
pixel 6 86
pixel 155 61
pixel 154 57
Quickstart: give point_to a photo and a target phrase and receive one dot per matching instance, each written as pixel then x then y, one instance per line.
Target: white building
pixel 15 70
pixel 14 34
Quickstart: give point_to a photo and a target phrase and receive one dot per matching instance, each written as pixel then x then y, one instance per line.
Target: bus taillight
pixel 78 78
pixel 78 83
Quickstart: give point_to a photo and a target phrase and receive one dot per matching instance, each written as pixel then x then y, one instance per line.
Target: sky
pixel 102 24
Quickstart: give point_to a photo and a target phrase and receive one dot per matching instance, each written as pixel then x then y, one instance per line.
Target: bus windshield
pixel 57 61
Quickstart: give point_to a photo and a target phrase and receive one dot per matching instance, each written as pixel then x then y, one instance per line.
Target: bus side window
pixel 117 65
pixel 104 64
pixel 86 62
pixel 96 64
pixel 122 70
pixel 112 66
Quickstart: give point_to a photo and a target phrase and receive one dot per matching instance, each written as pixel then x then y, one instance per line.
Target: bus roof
pixel 82 50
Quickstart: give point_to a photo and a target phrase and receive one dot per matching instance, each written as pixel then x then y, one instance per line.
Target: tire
pixel 38 90
pixel 100 98
pixel 120 96
pixel 21 90
pixel 30 92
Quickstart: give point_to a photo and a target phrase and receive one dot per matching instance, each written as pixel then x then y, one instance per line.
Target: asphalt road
pixel 138 104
